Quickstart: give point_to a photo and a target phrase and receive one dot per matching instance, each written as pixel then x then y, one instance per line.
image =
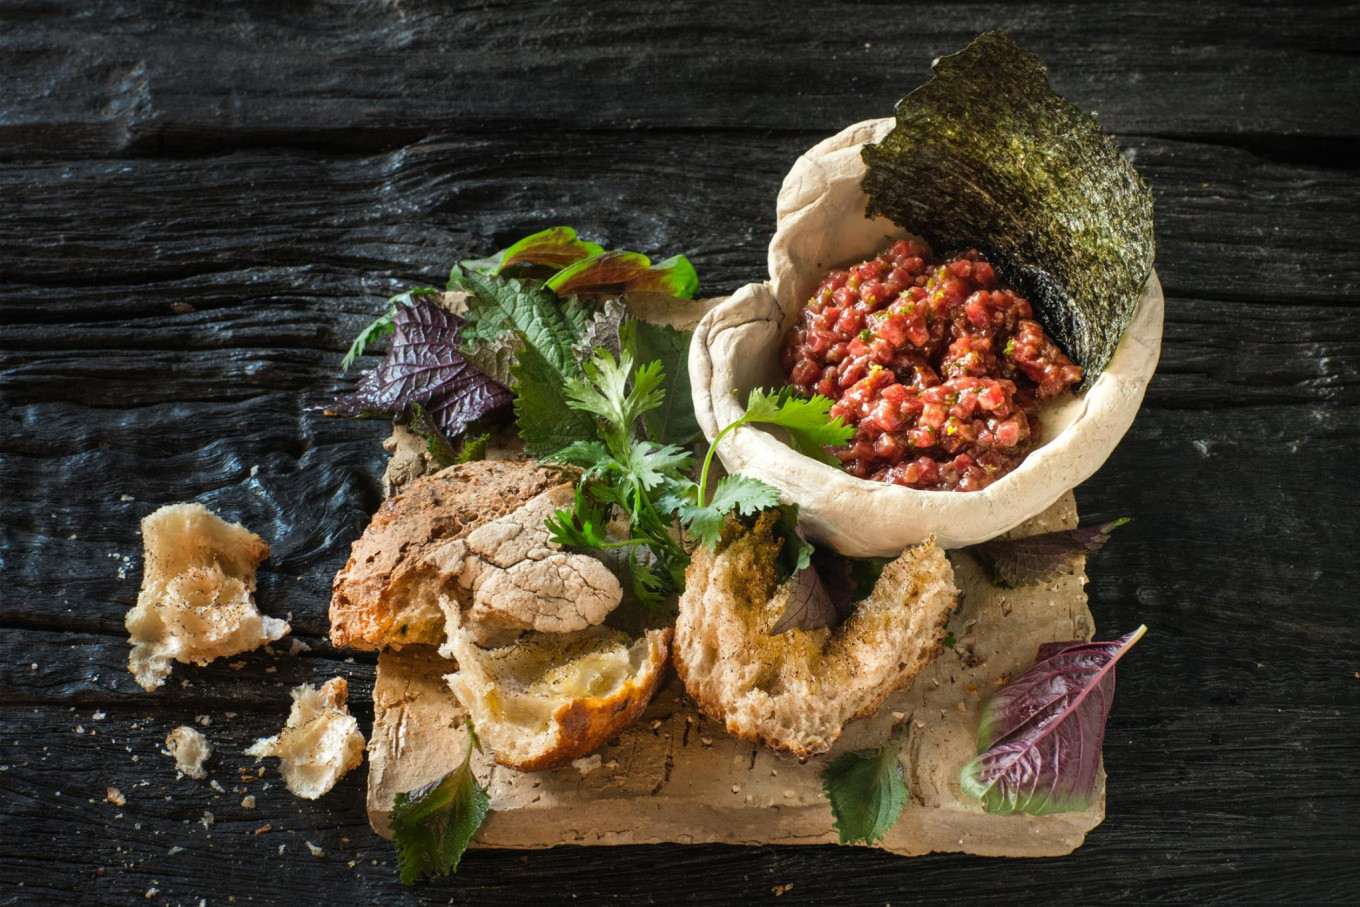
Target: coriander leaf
pixel 867 794
pixel 1040 737
pixel 649 585
pixel 673 422
pixel 543 414
pixel 424 368
pixel 433 825
pixel 739 493
pixel 604 392
pixel 653 464
pixel 589 455
pixel 629 271
pixel 807 421
pixel 382 325
pixel 497 306
pixel 1043 557
pixel 582 526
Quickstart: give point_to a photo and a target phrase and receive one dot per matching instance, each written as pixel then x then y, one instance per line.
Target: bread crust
pixel 795 692
pixel 585 724
pixel 382 597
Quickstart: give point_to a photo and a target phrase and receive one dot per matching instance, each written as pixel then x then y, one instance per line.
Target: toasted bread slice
pixel 388 592
pixel 796 691
pixel 550 698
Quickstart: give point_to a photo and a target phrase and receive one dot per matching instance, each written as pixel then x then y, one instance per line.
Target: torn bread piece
pixel 509 577
pixel 190 750
pixel 197 597
pixel 551 698
pixel 388 592
pixel 796 691
pixel 320 742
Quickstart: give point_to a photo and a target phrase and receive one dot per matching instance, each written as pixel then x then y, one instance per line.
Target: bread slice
pixel 796 691
pixel 550 698
pixel 388 593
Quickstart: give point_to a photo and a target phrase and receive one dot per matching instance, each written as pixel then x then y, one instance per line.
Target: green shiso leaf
pixel 867 794
pixel 433 825
pixel 673 422
pixel 986 155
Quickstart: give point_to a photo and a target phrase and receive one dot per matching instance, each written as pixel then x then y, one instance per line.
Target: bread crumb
pixel 320 742
pixel 587 764
pixel 190 750
pixel 248 802
pixel 736 788
pixel 115 796
pixel 314 850
pixel 296 646
pixel 263 829
pixel 779 890
pixel 207 820
pixel 197 598
pixel 217 786
pixel 98 716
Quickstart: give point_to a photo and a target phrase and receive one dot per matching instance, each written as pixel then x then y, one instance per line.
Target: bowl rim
pixel 1104 413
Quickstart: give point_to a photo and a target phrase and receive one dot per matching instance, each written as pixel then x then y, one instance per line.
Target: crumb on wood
pixel 115 796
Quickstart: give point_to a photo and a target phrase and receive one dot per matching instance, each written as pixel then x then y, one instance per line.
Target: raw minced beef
pixel 939 367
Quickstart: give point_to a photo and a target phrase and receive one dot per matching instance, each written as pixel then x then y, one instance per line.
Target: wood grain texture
pixel 202 203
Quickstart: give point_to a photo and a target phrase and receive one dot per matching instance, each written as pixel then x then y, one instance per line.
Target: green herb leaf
pixel 742 494
pixel 628 271
pixel 807 421
pixel 867 794
pixel 543 414
pixel 433 825
pixel 603 332
pixel 381 326
pixel 653 464
pixel 673 422
pixel 582 526
pixel 605 392
pixel 498 306
pixel 555 247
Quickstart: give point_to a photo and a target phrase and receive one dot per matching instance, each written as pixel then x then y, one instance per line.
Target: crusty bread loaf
pixel 797 690
pixel 552 697
pixel 387 593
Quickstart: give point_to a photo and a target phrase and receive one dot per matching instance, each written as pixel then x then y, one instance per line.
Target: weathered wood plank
pixel 1230 224
pixel 359 76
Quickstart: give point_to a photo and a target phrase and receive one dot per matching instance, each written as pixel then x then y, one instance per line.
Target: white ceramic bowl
pixel 821 225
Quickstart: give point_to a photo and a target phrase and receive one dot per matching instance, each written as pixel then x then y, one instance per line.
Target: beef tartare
pixel 939 367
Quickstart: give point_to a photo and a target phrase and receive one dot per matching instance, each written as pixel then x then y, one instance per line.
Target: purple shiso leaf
pixel 1043 557
pixel 1040 737
pixel 810 606
pixel 423 367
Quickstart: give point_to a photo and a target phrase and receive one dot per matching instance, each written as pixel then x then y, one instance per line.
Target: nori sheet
pixel 986 155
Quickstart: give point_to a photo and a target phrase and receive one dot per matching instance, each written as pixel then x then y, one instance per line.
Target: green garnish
pixel 433 825
pixel 867 793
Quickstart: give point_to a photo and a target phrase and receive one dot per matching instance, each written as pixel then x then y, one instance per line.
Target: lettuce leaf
pixel 424 368
pixel 1040 737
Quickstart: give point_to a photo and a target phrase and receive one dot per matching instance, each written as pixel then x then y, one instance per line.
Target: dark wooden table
pixel 200 204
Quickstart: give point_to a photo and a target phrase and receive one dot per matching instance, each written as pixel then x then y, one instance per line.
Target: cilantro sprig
pixel 624 471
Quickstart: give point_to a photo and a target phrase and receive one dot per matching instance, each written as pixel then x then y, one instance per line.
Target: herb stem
pixel 708 459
